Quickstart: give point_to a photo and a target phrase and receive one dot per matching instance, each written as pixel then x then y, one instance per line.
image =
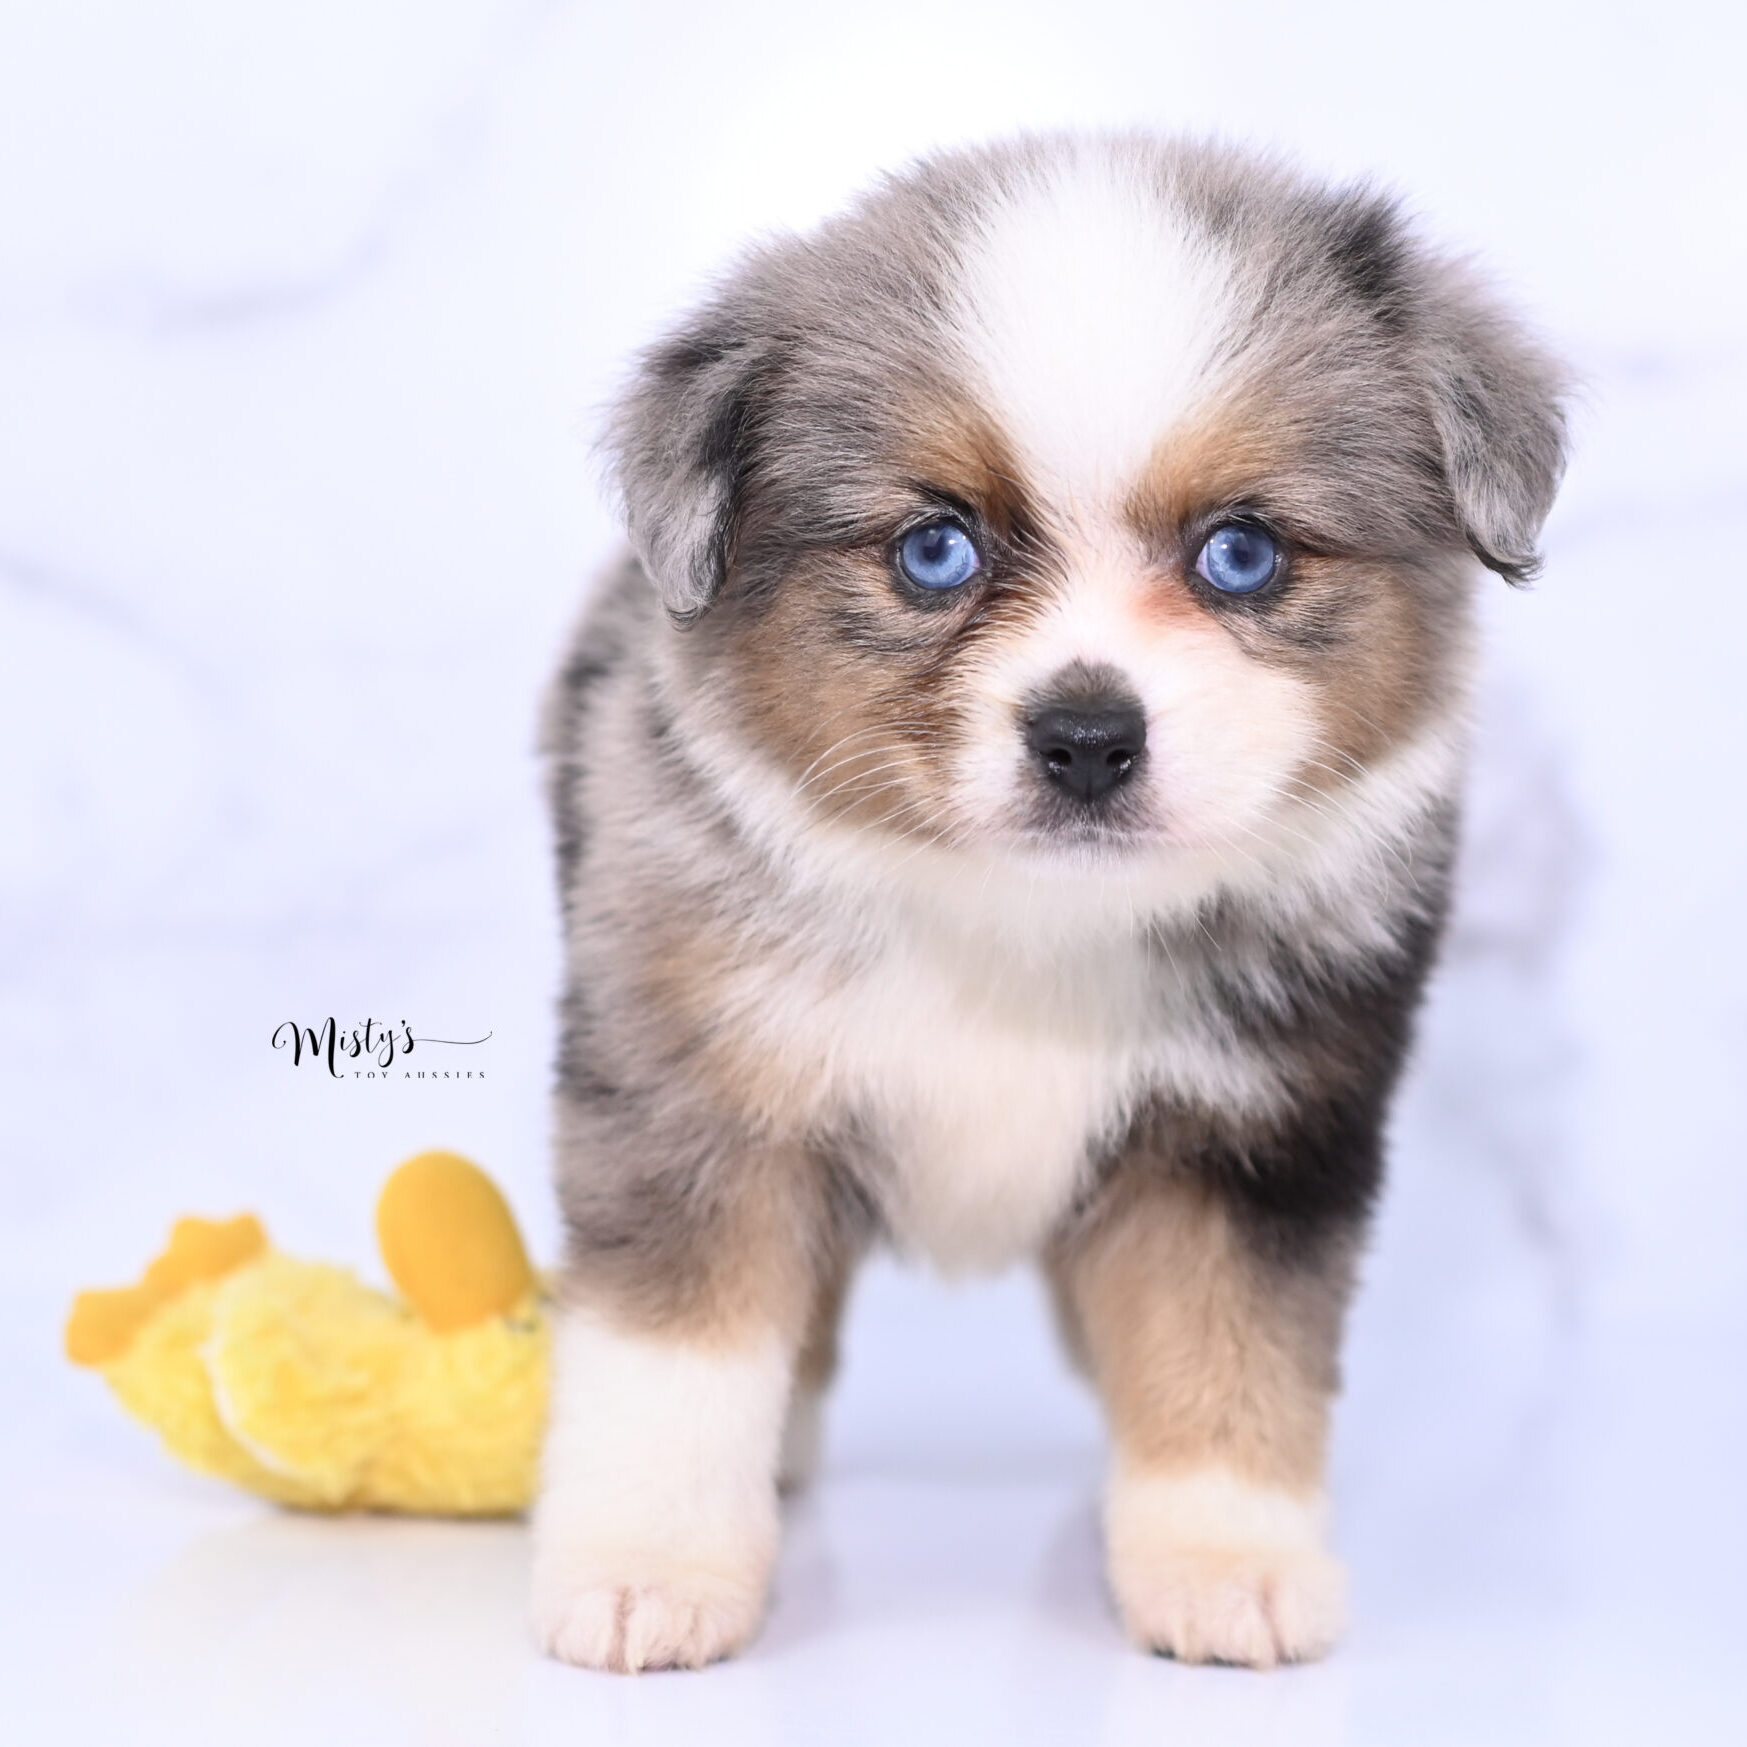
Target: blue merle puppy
pixel 1005 803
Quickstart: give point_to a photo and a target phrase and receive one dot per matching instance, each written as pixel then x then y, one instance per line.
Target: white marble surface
pixel 305 312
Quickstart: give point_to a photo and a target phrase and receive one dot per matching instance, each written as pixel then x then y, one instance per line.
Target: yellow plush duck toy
pixel 298 1381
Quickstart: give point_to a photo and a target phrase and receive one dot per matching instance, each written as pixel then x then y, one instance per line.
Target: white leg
pixel 656 1528
pixel 1210 1567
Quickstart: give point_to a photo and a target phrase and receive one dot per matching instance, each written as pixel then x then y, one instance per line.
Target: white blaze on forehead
pixel 1092 312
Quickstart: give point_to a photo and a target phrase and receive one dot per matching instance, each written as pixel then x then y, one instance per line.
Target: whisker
pixel 848 760
pixel 849 782
pixel 837 746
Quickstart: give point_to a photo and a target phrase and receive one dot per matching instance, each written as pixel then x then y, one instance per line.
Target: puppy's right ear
pixel 684 442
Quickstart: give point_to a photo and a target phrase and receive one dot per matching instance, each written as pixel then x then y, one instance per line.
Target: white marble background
pixel 306 312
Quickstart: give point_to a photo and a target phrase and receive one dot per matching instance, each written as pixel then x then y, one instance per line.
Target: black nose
pixel 1088 751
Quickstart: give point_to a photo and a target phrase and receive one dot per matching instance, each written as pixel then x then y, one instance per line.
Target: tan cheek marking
pixel 842 723
pixel 795 724
pixel 868 736
pixel 1379 676
pixel 1383 678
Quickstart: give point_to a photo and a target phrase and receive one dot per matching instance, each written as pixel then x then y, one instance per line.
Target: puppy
pixel 1004 809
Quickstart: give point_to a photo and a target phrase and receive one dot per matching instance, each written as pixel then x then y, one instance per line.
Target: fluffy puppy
pixel 1004 809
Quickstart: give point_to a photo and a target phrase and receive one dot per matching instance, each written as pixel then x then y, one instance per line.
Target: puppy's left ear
pixel 1498 402
pixel 684 443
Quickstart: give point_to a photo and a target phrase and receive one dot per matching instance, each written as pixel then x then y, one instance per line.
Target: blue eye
pixel 1239 558
pixel 938 555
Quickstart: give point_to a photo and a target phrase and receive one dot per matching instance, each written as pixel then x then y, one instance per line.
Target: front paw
pixel 1208 1568
pixel 1250 1608
pixel 656 1531
pixel 625 1617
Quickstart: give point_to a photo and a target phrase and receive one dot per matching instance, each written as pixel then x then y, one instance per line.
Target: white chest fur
pixel 990 1080
pixel 989 1102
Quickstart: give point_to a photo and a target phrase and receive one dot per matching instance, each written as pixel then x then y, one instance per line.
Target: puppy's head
pixel 1093 501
